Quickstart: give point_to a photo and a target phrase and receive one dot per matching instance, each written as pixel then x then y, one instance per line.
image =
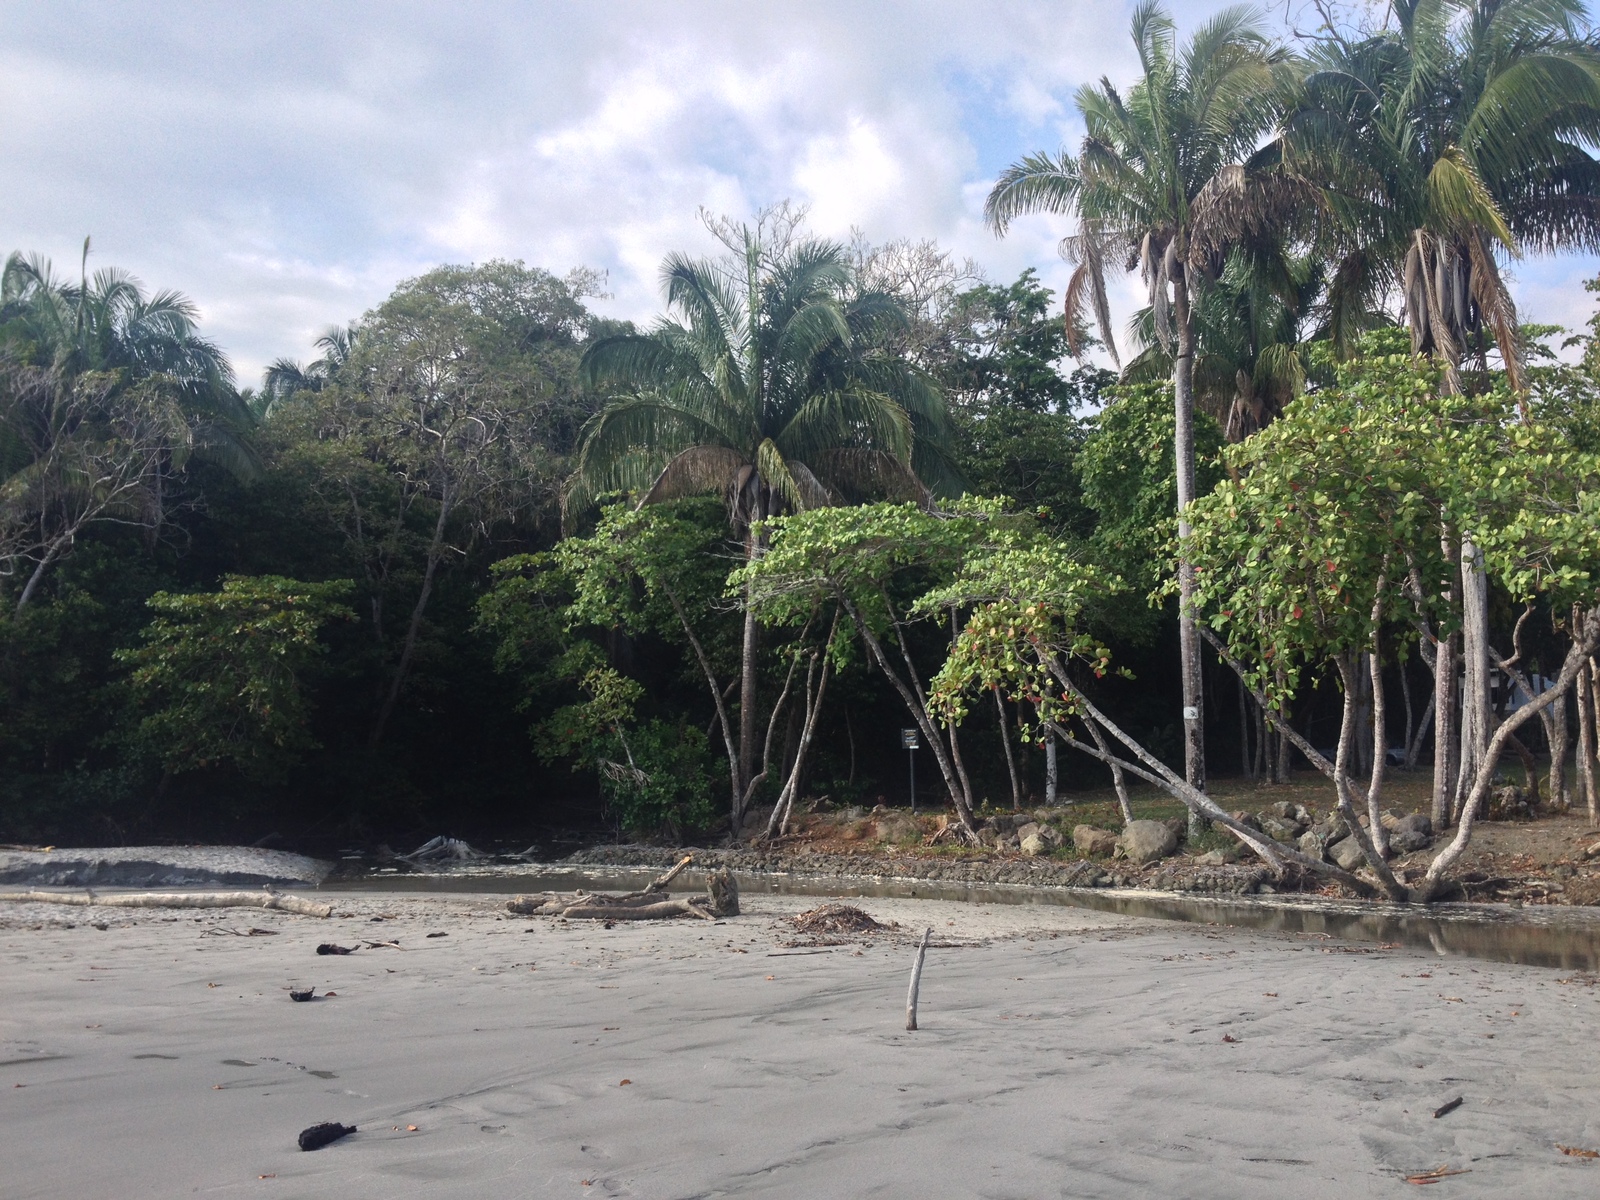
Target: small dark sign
pixel 910 739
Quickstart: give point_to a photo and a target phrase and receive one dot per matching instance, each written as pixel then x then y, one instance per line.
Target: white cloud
pixel 286 165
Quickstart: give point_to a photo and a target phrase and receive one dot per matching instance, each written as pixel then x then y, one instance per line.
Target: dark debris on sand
pixel 835 920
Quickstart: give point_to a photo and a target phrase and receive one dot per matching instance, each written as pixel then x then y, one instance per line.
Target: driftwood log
pixel 721 900
pixel 292 904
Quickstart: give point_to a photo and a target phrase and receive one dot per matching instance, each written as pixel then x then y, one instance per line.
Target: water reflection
pixel 1565 938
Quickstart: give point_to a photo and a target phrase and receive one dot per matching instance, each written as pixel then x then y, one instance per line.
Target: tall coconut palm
pixel 1252 325
pixel 1451 139
pixel 1145 161
pixel 1438 144
pixel 767 383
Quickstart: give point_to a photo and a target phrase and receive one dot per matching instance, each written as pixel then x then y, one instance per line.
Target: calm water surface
pixel 1540 936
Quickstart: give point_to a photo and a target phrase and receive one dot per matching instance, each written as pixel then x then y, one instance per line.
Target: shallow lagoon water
pixel 1540 936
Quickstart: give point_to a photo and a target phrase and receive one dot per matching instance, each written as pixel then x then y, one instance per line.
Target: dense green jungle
pixel 493 565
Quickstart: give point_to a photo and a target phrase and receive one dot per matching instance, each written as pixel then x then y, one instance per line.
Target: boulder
pixel 1027 830
pixel 1312 844
pixel 1406 840
pixel 1282 809
pixel 1249 819
pixel 1347 853
pixel 1036 846
pixel 1333 827
pixel 1146 842
pixel 1090 840
pixel 1278 829
pixel 1419 822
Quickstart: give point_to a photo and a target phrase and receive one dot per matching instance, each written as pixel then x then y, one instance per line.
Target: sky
pixel 286 164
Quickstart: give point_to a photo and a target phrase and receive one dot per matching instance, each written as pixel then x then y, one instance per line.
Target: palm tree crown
pixel 1439 143
pixel 766 383
pixel 1147 157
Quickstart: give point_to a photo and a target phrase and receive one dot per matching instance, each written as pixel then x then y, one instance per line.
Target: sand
pixel 1061 1053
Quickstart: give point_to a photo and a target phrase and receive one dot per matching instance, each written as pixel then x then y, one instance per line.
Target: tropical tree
pixel 1146 161
pixel 453 412
pixel 1435 145
pixel 220 676
pixel 105 393
pixel 771 384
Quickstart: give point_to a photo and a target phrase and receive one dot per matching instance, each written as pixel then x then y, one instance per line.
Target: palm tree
pixel 285 378
pixel 108 391
pixel 1135 185
pixel 769 383
pixel 1251 333
pixel 1435 145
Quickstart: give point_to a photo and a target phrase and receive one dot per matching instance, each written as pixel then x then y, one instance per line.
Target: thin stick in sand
pixel 916 981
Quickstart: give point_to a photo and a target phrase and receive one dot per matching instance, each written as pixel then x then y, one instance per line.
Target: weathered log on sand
pixel 291 904
pixel 721 900
pixel 654 911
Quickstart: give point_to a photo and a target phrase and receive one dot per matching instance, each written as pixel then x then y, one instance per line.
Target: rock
pixel 1419 822
pixel 1192 876
pixel 1034 846
pixel 1211 858
pixel 1279 830
pixel 1283 810
pixel 1312 844
pixel 897 828
pixel 1090 840
pixel 1250 819
pixel 1333 827
pixel 1084 874
pixel 1347 853
pixel 1406 840
pixel 1026 831
pixel 988 836
pixel 1146 842
pixel 1179 827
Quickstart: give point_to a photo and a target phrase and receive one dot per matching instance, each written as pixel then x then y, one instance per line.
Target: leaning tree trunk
pixel 1194 741
pixel 1011 756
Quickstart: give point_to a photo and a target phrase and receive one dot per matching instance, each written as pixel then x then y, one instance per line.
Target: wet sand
pixel 1062 1052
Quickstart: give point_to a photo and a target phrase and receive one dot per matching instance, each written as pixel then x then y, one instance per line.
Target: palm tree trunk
pixel 1194 742
pixel 1444 702
pixel 1475 698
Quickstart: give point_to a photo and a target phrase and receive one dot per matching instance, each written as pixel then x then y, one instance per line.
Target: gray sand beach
pixel 1062 1053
